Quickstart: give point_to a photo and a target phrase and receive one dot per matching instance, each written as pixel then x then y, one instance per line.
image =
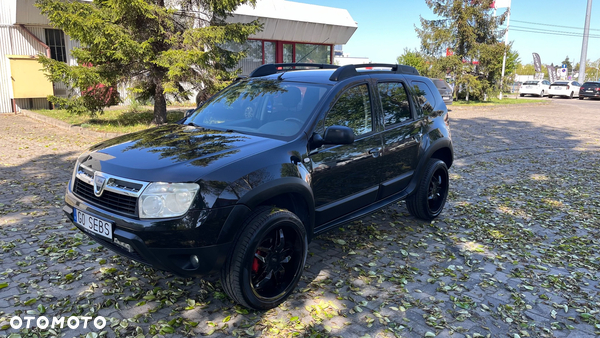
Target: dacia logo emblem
pixel 99 183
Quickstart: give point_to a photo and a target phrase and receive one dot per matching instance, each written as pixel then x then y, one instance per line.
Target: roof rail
pixel 274 68
pixel 348 71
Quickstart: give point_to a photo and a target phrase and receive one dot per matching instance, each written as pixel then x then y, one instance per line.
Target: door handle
pixel 375 152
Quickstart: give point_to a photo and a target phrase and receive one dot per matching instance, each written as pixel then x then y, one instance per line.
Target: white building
pixel 293 32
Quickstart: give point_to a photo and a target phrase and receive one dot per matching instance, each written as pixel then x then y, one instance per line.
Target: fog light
pixel 195 261
pixel 124 245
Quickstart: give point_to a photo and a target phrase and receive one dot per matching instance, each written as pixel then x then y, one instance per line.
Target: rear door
pixel 401 136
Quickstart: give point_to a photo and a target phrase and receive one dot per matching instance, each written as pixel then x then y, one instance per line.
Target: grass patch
pixel 495 102
pixel 120 120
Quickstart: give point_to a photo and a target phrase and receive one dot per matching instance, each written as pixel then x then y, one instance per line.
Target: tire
pixel 549 96
pixel 571 96
pixel 429 198
pixel 521 95
pixel 581 97
pixel 268 259
pixel 542 94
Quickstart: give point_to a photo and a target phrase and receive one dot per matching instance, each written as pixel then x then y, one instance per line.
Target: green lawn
pixel 495 102
pixel 120 120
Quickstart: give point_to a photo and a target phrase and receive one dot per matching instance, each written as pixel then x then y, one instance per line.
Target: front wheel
pixel 521 95
pixel 549 96
pixel 267 260
pixel 581 97
pixel 428 201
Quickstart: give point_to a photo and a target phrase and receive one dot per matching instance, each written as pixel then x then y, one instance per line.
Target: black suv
pixel 242 184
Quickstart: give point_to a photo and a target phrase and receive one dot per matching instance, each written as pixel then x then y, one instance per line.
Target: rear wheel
pixel 542 94
pixel 549 96
pixel 521 95
pixel 581 97
pixel 428 201
pixel 268 259
pixel 571 95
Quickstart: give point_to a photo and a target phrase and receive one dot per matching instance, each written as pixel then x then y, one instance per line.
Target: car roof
pixel 303 75
pixel 326 73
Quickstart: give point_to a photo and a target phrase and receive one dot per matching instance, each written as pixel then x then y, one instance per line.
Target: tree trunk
pixel 160 105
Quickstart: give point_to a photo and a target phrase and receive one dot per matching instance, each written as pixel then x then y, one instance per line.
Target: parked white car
pixel 565 88
pixel 534 87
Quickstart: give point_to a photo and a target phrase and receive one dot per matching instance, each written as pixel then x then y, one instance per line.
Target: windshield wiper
pixel 194 125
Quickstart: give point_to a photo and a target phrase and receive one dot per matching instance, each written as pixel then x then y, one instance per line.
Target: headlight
pixel 160 200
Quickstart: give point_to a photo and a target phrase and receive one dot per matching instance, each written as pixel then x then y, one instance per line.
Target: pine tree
pixel 470 30
pixel 163 47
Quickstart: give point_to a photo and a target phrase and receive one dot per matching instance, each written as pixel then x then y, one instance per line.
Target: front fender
pixel 251 194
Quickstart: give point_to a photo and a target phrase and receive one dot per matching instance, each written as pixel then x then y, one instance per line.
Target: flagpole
pixel 505 49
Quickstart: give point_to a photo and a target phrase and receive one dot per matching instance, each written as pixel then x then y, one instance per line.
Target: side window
pixel 394 102
pixel 424 96
pixel 55 39
pixel 353 110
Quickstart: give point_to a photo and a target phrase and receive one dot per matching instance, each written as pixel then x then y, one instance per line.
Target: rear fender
pixel 439 144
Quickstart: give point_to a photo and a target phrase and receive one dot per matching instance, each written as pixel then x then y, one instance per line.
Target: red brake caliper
pixel 255 263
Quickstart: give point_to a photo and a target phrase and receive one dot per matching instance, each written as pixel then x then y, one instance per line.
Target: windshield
pixel 263 107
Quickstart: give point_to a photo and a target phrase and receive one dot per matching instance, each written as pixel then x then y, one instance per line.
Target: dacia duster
pixel 241 185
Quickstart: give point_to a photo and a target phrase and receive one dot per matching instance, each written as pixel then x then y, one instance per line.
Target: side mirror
pixel 338 135
pixel 189 113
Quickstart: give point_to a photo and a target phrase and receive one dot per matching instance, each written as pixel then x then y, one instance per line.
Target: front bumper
pixel 163 244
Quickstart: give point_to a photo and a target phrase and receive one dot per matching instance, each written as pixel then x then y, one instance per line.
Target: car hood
pixel 172 153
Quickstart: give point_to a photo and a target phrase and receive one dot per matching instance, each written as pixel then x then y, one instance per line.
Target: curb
pixel 66 126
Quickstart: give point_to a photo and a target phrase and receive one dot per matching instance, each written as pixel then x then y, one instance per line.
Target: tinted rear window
pixel 440 84
pixel 531 82
pixel 591 84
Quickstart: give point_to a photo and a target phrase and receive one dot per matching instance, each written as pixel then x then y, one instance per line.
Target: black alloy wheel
pixel 268 259
pixel 430 196
pixel 275 263
pixel 438 189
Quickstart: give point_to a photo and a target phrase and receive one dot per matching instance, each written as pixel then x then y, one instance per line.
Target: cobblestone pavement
pixel 516 252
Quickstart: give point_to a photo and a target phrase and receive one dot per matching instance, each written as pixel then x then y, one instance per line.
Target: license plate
pixel 93 224
pixel 589 91
pixel 445 98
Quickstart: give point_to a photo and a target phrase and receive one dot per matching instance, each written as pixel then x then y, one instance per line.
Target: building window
pixel 55 39
pixel 308 53
pixel 259 52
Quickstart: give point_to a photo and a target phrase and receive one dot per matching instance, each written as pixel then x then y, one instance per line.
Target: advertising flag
pixel 537 63
pixel 501 4
pixel 551 73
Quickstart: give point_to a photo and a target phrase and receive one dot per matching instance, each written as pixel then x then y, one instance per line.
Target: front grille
pixel 108 199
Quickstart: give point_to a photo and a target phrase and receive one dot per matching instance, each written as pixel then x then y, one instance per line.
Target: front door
pixel 346 177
